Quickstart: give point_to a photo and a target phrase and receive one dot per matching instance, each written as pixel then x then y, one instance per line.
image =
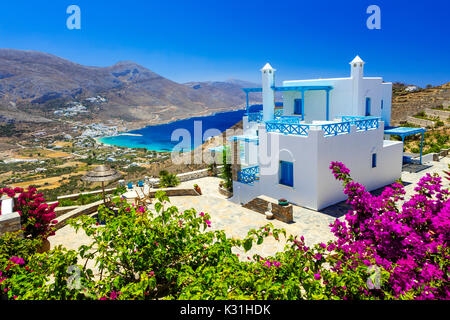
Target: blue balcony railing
pixel 363 123
pixel 255 116
pixel 291 125
pixel 287 128
pixel 287 119
pixel 333 129
pixel 278 112
pixel 248 175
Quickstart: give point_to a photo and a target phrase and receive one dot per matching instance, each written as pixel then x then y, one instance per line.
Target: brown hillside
pixel 406 104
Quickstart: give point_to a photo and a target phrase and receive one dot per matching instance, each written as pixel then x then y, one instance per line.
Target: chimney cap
pixel 268 67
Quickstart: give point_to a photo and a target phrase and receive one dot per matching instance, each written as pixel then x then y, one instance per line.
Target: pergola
pixel 403 132
pixel 301 89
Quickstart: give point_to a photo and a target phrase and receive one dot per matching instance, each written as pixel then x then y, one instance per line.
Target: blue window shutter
pixel 287 173
pixel 374 160
pixel 367 107
pixel 298 106
pixel 290 174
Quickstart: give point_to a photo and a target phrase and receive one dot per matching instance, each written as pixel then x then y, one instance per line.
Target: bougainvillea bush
pixel 36 217
pixel 383 249
pixel 411 242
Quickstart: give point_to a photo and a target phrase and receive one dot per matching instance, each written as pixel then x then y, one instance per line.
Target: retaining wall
pixel 9 223
pixel 260 204
pixel 441 114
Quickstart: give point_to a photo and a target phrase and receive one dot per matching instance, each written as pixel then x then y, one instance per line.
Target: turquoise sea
pixel 158 137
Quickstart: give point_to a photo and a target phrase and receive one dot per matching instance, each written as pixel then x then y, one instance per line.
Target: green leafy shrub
pixel 168 179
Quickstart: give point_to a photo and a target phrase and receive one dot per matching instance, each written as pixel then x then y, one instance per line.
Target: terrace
pixel 294 126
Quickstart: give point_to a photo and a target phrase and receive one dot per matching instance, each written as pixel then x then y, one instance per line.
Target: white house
pixel 287 152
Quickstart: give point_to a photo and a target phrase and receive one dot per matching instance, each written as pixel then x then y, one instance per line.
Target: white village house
pixel 286 153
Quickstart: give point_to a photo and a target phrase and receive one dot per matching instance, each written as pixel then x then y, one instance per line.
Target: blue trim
pixel 328 105
pixel 247 90
pixel 245 138
pixel 247 101
pixel 303 104
pixel 421 147
pixel 298 106
pixel 287 119
pixel 301 88
pixel 368 106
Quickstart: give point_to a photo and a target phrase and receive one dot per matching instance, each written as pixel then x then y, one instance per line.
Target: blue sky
pixel 217 40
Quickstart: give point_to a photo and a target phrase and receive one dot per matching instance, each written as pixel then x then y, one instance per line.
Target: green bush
pixel 168 180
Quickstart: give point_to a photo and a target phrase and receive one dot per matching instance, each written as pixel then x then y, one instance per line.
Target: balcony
pixel 291 125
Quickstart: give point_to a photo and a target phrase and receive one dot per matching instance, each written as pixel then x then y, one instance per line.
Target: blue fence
pixel 255 116
pixel 287 119
pixel 278 112
pixel 363 123
pixel 287 128
pixel 333 129
pixel 291 125
pixel 248 175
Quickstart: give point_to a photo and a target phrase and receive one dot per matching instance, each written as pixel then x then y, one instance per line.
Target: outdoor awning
pixel 244 138
pixel 218 149
pixel 302 88
pixel 403 132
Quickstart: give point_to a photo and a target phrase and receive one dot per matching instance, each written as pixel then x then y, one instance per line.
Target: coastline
pixel 209 113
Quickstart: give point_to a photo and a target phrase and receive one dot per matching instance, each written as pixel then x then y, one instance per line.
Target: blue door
pixel 298 106
pixel 287 173
pixel 367 107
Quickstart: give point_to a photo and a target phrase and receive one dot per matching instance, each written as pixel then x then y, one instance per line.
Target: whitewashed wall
pixel 342 98
pixel 314 185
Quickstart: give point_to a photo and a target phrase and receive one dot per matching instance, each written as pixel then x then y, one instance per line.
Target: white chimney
pixel 268 81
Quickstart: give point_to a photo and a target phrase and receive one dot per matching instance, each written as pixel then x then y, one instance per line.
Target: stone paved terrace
pixel 237 221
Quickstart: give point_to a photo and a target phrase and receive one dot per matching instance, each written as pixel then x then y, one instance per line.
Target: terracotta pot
pixel 45 246
pixel 199 191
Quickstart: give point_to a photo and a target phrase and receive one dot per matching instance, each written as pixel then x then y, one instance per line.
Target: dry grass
pixel 53 182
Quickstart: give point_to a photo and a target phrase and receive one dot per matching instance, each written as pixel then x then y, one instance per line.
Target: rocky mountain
pixel 33 84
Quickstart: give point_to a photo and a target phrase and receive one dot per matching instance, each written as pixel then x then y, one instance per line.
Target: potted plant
pixel 197 189
pixel 283 202
pixel 36 217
